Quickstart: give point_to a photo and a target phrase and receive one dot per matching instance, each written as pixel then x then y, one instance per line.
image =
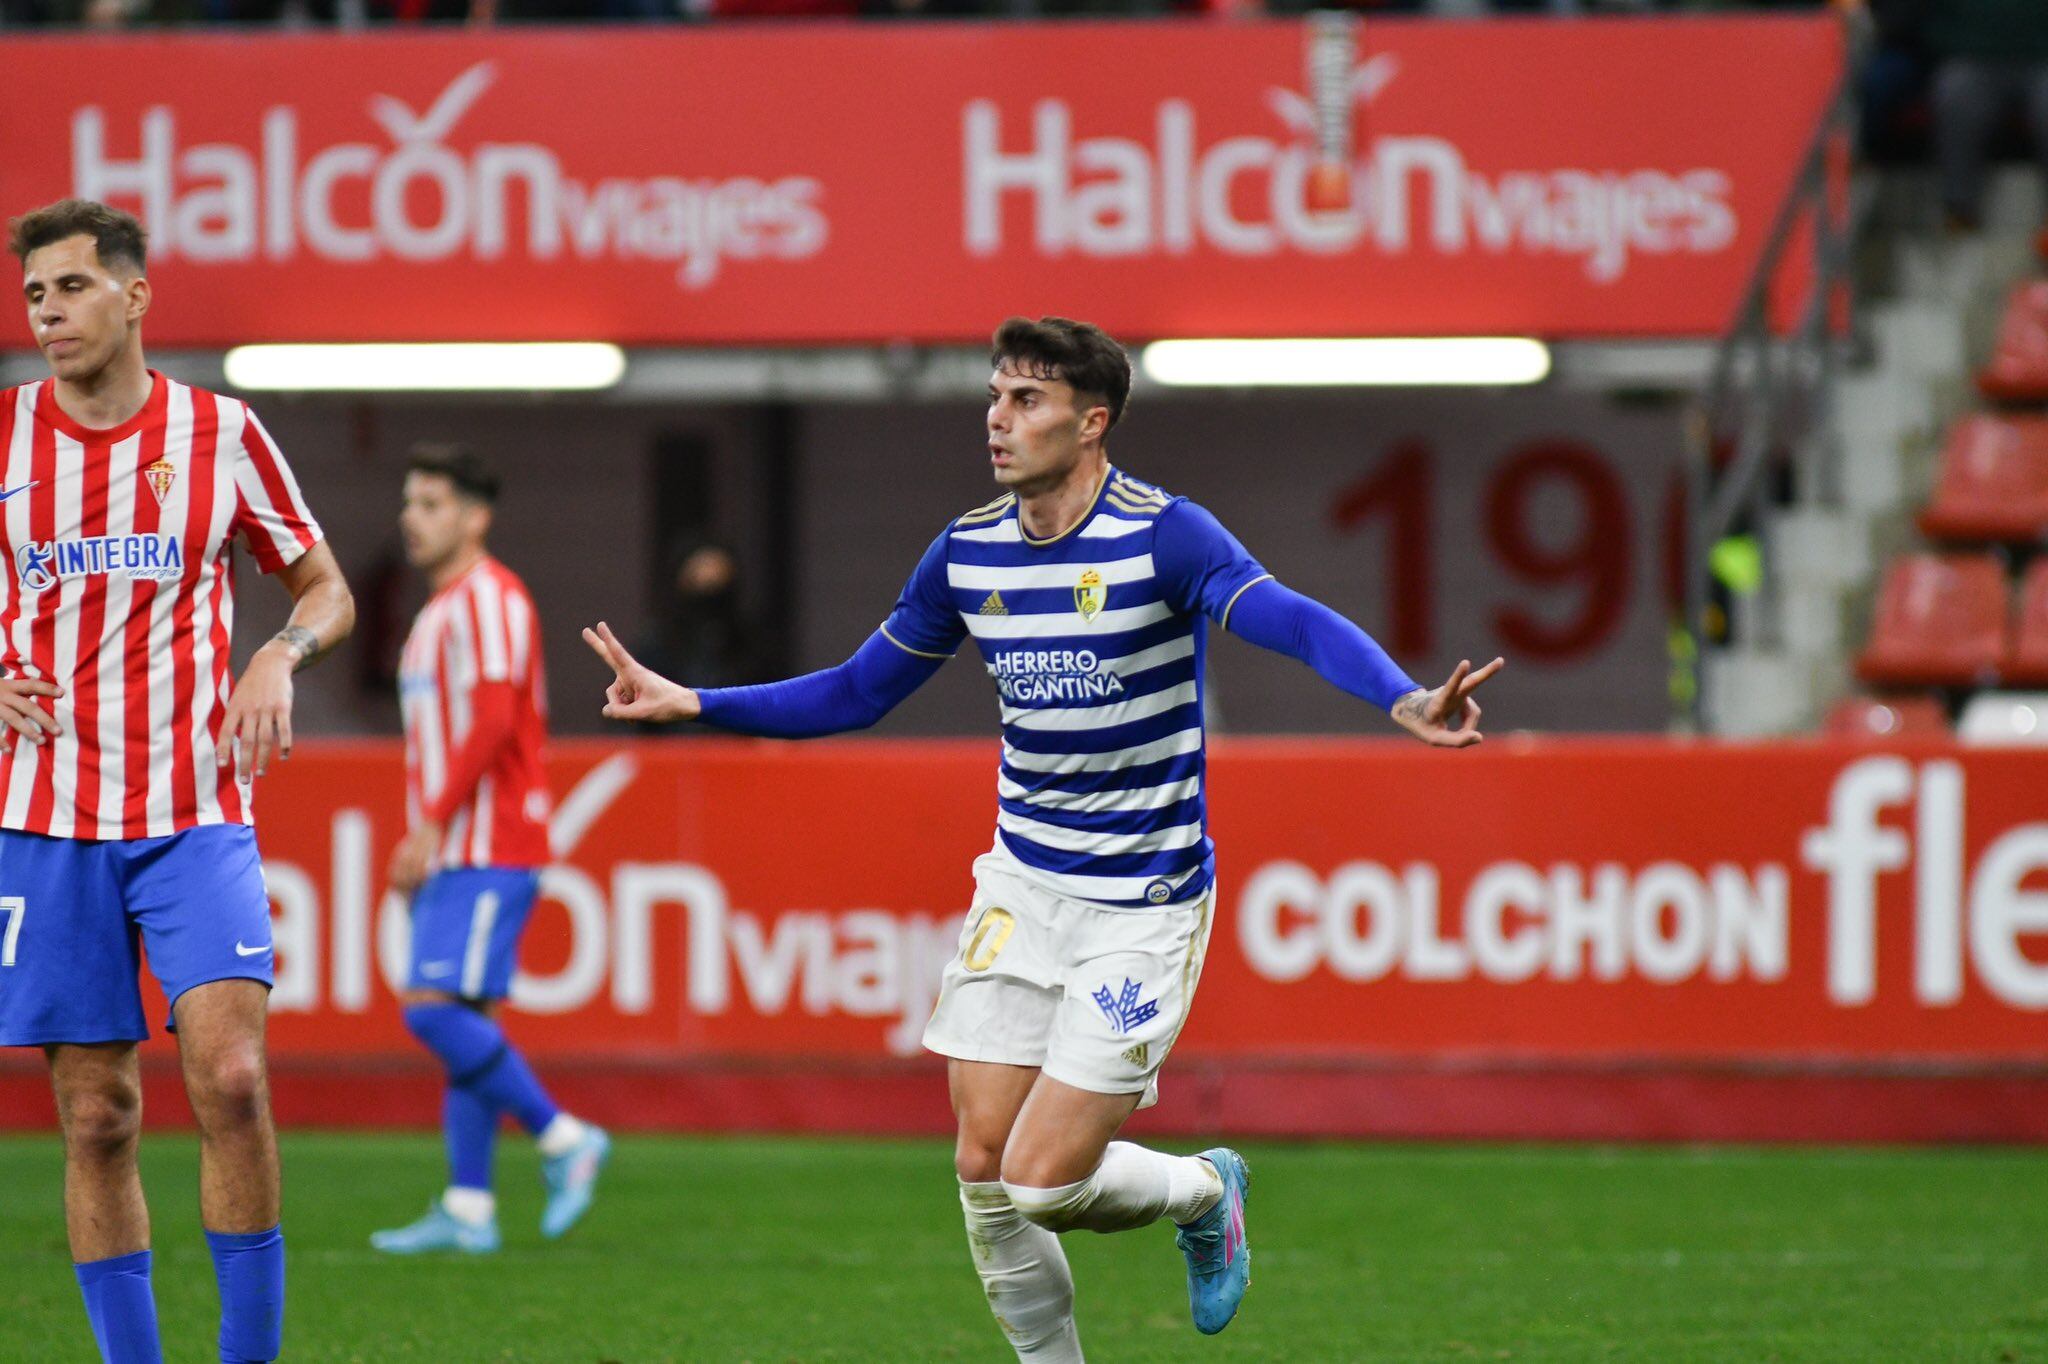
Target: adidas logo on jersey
pixel 994 605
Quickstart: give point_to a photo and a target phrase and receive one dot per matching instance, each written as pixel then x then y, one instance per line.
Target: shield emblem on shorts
pixel 1089 595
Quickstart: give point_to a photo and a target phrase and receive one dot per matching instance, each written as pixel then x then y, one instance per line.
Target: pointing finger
pixel 1472 682
pixel 622 660
pixel 597 646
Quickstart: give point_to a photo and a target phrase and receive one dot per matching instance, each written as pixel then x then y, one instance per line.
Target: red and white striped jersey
pixel 119 587
pixel 474 697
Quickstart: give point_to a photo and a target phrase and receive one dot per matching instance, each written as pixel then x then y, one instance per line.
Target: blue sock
pixel 470 1127
pixel 249 1267
pixel 479 1059
pixel 122 1311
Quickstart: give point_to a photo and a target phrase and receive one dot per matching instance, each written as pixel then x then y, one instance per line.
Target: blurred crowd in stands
pixel 115 14
pixel 1962 79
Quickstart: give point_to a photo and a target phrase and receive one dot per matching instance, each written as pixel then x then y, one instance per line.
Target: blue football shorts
pixel 77 915
pixel 465 929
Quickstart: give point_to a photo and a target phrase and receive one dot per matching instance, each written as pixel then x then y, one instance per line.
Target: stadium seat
pixel 2027 665
pixel 2005 718
pixel 1993 481
pixel 2018 370
pixel 1895 717
pixel 1941 620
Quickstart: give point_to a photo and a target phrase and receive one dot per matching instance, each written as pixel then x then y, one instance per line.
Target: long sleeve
pixel 1208 572
pixel 1276 617
pixel 878 678
pixel 492 707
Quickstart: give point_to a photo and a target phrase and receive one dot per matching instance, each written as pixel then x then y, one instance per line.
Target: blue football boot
pixel 1219 1258
pixel 438 1230
pixel 572 1181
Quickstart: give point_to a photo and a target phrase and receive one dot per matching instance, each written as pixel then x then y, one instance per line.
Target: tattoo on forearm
pixel 1410 706
pixel 301 641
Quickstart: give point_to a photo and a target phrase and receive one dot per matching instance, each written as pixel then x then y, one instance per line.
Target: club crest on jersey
pixel 40 564
pixel 1125 1010
pixel 160 475
pixel 1089 595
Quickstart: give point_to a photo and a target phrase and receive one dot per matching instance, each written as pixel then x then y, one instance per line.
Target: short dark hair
pixel 472 476
pixel 1080 353
pixel 118 235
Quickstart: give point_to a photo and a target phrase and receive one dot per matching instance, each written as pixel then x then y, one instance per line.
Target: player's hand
pixel 413 856
pixel 259 715
pixel 637 692
pixel 20 713
pixel 1447 717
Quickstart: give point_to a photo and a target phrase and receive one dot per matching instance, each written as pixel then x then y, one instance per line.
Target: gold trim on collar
pixel 1108 472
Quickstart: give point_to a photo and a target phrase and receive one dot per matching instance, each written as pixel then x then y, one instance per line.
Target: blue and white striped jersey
pixel 1095 639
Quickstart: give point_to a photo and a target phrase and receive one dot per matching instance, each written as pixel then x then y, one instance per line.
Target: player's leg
pixel 1130 981
pixel 68 969
pixel 199 899
pixel 220 1028
pixel 995 1008
pixel 1065 1172
pixel 99 1105
pixel 1023 1271
pixel 466 927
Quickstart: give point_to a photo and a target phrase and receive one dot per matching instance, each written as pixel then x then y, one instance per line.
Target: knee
pixel 1056 1208
pixel 103 1121
pixel 977 1162
pixel 228 1089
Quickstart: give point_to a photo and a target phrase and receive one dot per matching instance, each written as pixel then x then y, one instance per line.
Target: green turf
pixel 781 1250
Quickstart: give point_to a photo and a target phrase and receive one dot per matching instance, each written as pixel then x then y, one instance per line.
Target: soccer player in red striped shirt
pixel 474 700
pixel 130 753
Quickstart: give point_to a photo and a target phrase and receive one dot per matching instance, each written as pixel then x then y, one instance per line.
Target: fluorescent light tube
pixel 427 367
pixel 1380 361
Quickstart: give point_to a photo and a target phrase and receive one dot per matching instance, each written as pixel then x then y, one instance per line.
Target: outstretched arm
pixel 1283 620
pixel 853 695
pixel 1209 572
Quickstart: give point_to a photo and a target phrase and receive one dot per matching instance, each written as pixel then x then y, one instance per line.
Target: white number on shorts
pixel 989 936
pixel 16 909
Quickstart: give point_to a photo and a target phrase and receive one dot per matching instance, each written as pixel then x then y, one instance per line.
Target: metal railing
pixel 1766 398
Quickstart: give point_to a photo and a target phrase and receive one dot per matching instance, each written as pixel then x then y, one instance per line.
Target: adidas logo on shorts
pixel 1137 1055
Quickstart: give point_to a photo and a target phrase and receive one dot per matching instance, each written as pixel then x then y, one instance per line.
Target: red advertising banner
pixel 1624 900
pixel 833 183
pixel 1612 937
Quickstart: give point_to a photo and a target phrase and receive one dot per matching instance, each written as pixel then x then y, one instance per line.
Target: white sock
pixel 560 1135
pixel 471 1207
pixel 1024 1273
pixel 1133 1187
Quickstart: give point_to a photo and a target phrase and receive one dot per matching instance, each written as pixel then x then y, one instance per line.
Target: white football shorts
pixel 1094 996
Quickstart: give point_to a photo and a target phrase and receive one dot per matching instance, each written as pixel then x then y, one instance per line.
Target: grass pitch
pixel 770 1250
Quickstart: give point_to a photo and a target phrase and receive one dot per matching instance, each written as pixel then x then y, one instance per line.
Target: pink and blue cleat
pixel 1219 1259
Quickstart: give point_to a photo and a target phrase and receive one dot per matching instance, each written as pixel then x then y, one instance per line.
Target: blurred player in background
pixel 1086 591
pixel 125 785
pixel 475 713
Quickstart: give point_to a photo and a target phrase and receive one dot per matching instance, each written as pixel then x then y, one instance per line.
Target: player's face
pixel 437 522
pixel 1037 429
pixel 83 315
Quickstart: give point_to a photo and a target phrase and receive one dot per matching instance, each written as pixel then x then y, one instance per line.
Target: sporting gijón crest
pixel 1125 1010
pixel 160 475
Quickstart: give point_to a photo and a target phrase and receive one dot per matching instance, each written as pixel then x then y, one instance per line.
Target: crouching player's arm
pixel 854 695
pixel 1211 573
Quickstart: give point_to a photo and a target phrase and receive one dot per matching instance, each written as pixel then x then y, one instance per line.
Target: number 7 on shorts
pixel 15 908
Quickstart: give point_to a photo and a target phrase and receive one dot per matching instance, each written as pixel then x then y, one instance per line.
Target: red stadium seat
pixel 1897 717
pixel 2028 663
pixel 1941 620
pixel 1993 483
pixel 2018 371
